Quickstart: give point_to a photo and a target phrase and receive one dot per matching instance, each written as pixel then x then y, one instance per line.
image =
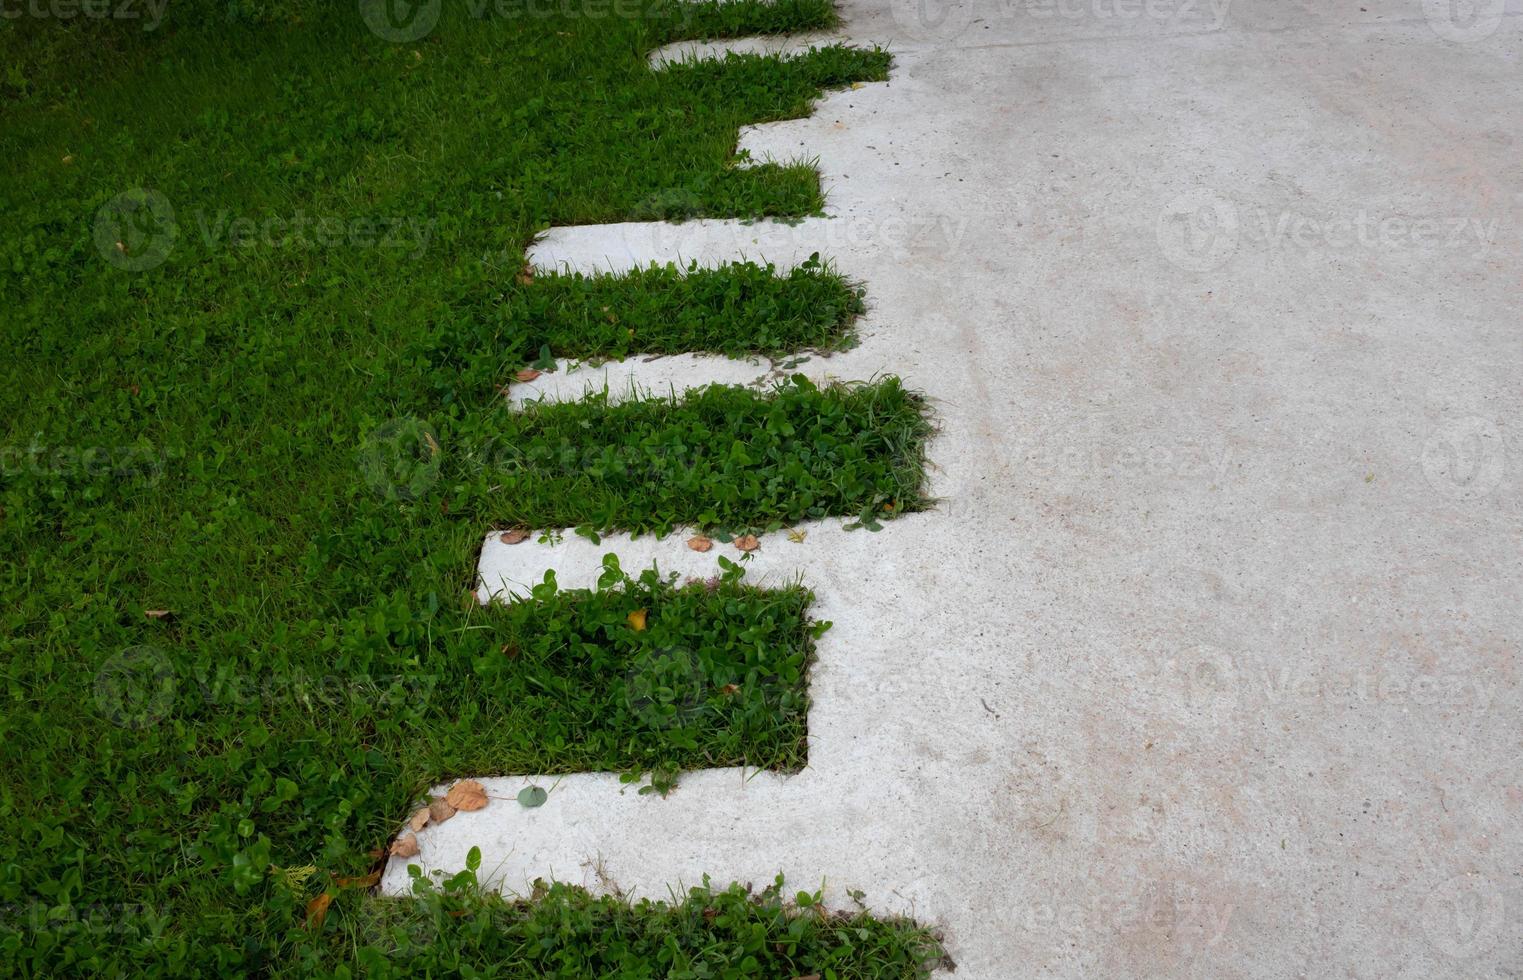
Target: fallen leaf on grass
pixel 532 796
pixel 637 620
pixel 157 613
pixel 466 795
pixel 729 689
pixel 747 542
pixel 699 543
pixel 405 847
pixel 317 910
pixel 514 536
pixel 526 274
pixel 439 810
pixel 360 881
pixel 527 374
pixel 419 820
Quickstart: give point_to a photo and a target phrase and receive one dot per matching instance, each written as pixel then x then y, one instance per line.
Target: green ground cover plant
pixel 236 248
pixel 723 457
pixel 661 309
pixel 451 930
pixel 641 674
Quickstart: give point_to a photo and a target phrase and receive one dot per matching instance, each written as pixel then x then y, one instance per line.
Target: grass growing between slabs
pixel 639 674
pixel 223 642
pixel 736 309
pixel 565 932
pixel 722 457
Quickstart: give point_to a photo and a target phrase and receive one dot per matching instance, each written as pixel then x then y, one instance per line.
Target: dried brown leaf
pixel 527 374
pixel 317 910
pixel 514 536
pixel 747 542
pixel 466 795
pixel 699 543
pixel 419 820
pixel 405 847
pixel 360 881
pixel 439 810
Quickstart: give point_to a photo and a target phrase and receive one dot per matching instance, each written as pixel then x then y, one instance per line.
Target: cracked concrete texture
pixel 1207 664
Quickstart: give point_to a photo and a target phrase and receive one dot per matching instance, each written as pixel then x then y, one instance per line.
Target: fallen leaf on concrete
pixel 514 536
pixel 317 910
pixel 405 847
pixel 419 820
pixel 699 543
pixel 466 795
pixel 532 796
pixel 439 810
pixel 747 542
pixel 797 536
pixel 637 620
pixel 527 374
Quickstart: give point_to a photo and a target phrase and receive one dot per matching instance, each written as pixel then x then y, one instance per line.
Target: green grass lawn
pixel 192 413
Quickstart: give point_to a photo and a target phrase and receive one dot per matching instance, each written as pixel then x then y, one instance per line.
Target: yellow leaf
pixel 637 620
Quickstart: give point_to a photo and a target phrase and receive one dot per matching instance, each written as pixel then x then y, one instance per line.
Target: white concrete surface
pixel 1208 665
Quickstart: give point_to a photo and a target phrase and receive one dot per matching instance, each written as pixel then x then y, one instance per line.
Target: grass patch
pixel 712 674
pixel 736 309
pixel 185 416
pixel 565 932
pixel 724 457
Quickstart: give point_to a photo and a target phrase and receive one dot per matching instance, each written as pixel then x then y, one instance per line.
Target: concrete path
pixel 1207 666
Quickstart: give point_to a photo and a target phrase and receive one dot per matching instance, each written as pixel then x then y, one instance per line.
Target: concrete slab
pixel 1208 664
pixel 767 44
